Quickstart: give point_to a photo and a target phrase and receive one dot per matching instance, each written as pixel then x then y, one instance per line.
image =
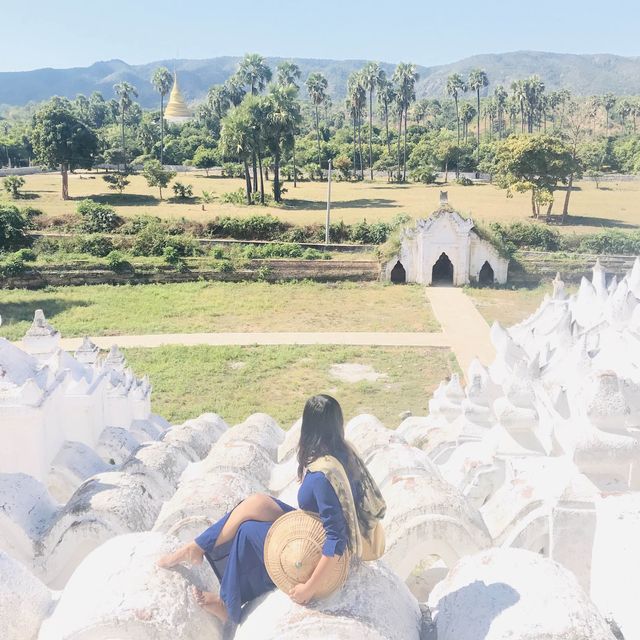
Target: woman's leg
pixel 258 507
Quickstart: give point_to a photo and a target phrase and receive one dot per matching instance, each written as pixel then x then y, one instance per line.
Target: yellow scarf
pixel 366 535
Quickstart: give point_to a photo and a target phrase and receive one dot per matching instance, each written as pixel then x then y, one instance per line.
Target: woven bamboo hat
pixel 292 550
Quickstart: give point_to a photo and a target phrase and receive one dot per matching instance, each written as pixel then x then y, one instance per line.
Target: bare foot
pixel 211 603
pixel 190 553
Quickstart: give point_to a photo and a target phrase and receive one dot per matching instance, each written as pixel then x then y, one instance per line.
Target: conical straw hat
pixel 292 550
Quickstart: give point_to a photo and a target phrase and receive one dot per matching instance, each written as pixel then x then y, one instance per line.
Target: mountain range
pixel 581 74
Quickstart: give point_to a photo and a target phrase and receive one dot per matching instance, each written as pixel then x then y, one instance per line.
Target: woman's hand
pixel 302 593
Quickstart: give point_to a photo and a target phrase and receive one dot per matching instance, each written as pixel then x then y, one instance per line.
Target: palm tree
pixel 520 98
pixel 162 81
pixel 235 140
pixel 317 87
pixel 456 86
pixel 608 102
pixel 500 96
pixel 124 91
pixel 283 114
pixel 467 114
pixel 478 80
pixel 254 71
pixel 386 97
pixel 219 100
pixel 404 78
pixel 234 89
pixel 356 100
pixel 372 77
pixel 288 73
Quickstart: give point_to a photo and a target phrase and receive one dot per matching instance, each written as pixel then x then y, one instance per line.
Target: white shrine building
pixel 445 249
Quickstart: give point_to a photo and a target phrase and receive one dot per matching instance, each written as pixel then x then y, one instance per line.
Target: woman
pixel 234 545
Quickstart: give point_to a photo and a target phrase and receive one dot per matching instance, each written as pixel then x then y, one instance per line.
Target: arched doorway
pixel 486 275
pixel 442 272
pixel 398 274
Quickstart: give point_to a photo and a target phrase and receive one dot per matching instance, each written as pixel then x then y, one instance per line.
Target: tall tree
pixel 500 97
pixel 478 80
pixel 608 102
pixel 62 141
pixel 283 115
pixel 162 81
pixel 372 77
pixel 386 98
pixel 455 86
pixel 404 78
pixel 317 87
pixel 235 140
pixel 125 92
pixel 356 100
pixel 254 71
pixel 288 76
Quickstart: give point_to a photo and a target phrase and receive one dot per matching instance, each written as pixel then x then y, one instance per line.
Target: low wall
pixel 530 268
pixel 269 270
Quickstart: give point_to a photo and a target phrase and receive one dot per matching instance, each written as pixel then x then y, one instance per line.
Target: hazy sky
pixel 67 33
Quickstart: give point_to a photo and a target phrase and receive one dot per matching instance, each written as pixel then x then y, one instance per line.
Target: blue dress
pixel 239 563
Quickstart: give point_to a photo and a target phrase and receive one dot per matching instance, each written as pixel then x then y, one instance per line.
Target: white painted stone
pixel 511 593
pixel 24 601
pixel 141 602
pixel 373 603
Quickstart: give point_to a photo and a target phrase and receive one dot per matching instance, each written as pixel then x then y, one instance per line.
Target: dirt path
pixel 464 329
pixel 283 338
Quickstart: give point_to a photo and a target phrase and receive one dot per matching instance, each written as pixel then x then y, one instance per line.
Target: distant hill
pixel 582 74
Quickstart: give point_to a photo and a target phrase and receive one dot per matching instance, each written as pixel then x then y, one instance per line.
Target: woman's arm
pixel 302 593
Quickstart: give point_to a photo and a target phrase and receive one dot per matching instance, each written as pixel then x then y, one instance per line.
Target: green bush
pixel 527 235
pixel 611 242
pixel 12 265
pixel 222 266
pixel 217 253
pixel 150 240
pixel 234 197
pixel 365 233
pixel 96 244
pixel 184 245
pixel 12 185
pixel 13 226
pixel 136 224
pixel 98 218
pixel 233 170
pixel 171 255
pixel 463 181
pixel 117 261
pixel 182 191
pixel 26 255
pixel 251 228
pixel 314 254
pixel 275 250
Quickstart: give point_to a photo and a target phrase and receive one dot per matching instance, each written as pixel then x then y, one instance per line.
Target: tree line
pixel 265 127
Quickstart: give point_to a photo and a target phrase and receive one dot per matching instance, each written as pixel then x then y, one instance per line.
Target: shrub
pixel 150 240
pixel 13 226
pixel 611 242
pixel 26 255
pixel 184 245
pixel 263 273
pixel 95 244
pixel 365 233
pixel 171 255
pixel 251 228
pixel 233 197
pixel 117 261
pixel 233 170
pixel 464 181
pixel 217 253
pixel 426 175
pixel 98 218
pixel 12 265
pixel 222 266
pixel 182 191
pixel 527 235
pixel 314 254
pixel 208 197
pixel 12 185
pixel 136 224
pixel 275 250
pixel 117 181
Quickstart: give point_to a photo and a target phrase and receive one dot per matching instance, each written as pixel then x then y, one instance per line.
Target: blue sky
pixel 66 33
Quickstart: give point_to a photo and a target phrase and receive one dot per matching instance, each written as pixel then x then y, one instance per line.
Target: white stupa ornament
pixel 41 339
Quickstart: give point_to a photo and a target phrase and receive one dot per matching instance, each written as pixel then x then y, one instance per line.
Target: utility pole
pixel 328 222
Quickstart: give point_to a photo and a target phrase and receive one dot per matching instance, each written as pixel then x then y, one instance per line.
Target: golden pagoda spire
pixel 177 110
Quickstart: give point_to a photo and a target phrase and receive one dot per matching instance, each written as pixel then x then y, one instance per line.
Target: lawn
pixel 507 306
pixel 219 307
pixel 238 381
pixel 614 204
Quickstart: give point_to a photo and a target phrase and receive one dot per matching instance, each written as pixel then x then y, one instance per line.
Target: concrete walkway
pixel 377 339
pixel 465 330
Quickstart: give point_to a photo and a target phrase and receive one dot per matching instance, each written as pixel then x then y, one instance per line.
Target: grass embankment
pixel 238 381
pixel 612 205
pixel 218 307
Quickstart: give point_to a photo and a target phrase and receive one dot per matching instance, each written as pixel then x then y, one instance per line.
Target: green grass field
pixel 507 306
pixel 218 307
pixel 613 205
pixel 238 381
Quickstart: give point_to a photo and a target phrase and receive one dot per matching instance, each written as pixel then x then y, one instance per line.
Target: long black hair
pixel 322 431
